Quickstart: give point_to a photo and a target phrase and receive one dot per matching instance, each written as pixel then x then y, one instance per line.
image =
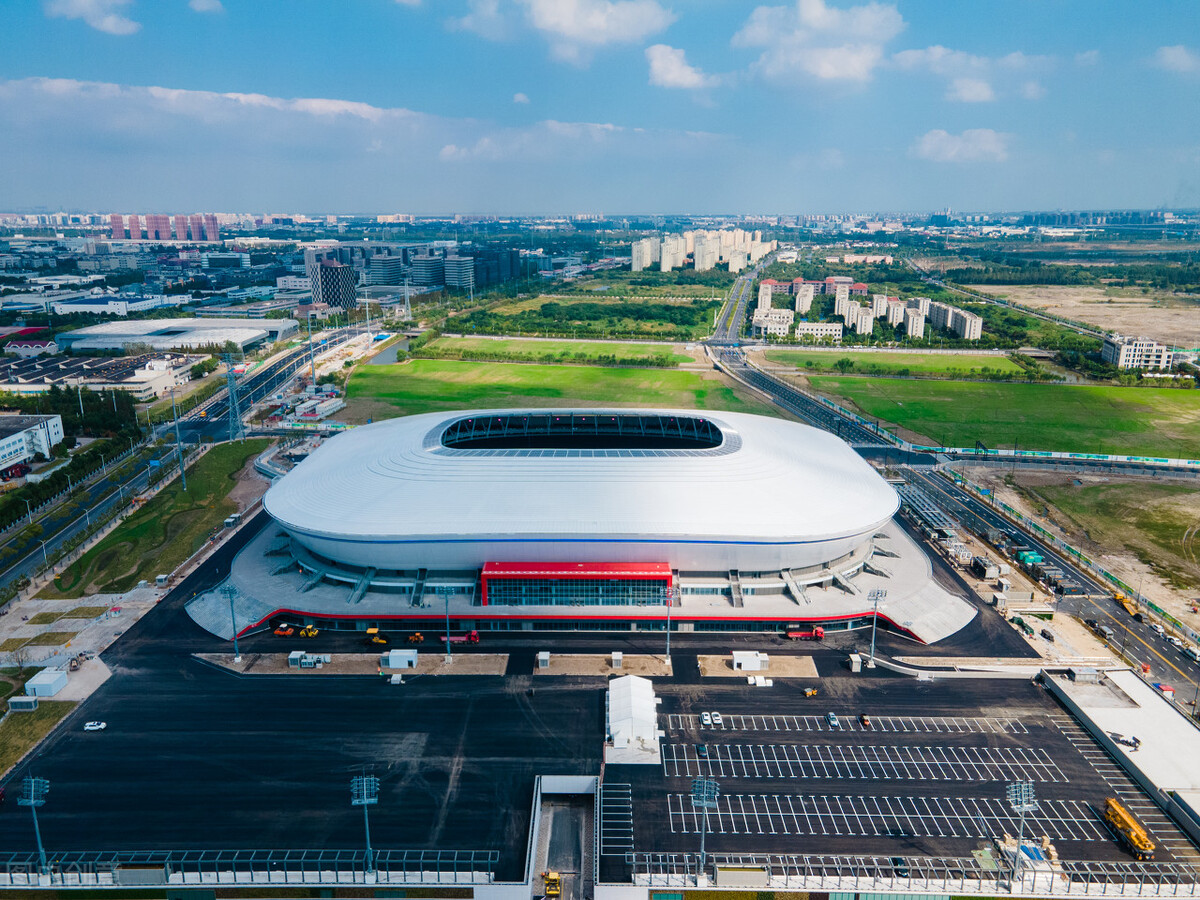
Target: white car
pixel 716 719
pixel 706 720
pixel 95 726
pixel 1175 642
pixel 1156 628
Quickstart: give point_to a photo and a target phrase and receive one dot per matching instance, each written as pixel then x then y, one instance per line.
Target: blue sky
pixel 615 106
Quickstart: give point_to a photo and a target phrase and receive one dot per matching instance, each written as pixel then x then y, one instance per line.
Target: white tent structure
pixel 632 722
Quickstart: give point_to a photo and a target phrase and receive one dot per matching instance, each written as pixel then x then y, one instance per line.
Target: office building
pixel 428 270
pixel 1136 353
pixel 386 270
pixel 459 272
pixel 774 322
pixel 22 438
pixel 820 331
pixel 335 283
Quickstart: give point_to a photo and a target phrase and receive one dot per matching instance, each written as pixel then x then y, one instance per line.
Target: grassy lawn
pixel 21 731
pixel 915 363
pixel 79 612
pixel 10 644
pixel 46 618
pixel 553 351
pixel 50 639
pixel 427 385
pixel 1085 419
pixel 163 533
pixel 1154 522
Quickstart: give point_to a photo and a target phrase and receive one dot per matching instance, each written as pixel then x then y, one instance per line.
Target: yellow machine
pixel 810 692
pixel 1128 829
pixel 417 638
pixel 553 883
pixel 1128 605
pixel 309 631
pixel 375 637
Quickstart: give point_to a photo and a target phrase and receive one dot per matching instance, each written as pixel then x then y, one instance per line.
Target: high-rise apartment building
pixel 181 228
pixel 117 227
pixel 211 232
pixel 914 322
pixel 644 254
pixel 158 227
pixel 197 225
pixel 135 228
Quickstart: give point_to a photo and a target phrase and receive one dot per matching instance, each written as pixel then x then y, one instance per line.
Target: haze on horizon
pixel 639 106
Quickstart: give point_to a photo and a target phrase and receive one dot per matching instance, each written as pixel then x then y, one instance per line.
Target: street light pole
pixel 178 442
pixel 449 656
pixel 364 792
pixel 28 509
pixel 33 795
pixel 230 592
pixel 876 596
pixel 1021 799
pixel 705 792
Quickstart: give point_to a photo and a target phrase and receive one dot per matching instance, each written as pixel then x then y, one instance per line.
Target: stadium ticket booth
pixel 575 584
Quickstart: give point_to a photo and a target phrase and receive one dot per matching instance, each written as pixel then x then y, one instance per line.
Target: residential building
pixel 197 224
pixel 895 312
pixel 841 301
pixel 24 437
pixel 117 227
pixel 644 254
pixel 804 297
pixel 211 232
pixel 293 283
pixel 820 331
pixel 181 228
pixel 914 322
pixel 1136 353
pixel 965 325
pixel 135 228
pixel 158 227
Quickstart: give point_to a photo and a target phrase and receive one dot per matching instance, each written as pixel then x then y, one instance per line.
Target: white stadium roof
pixel 766 481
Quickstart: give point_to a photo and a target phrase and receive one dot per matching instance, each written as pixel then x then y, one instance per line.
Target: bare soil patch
pixel 362 664
pixel 600 664
pixel 778 666
pixel 1169 318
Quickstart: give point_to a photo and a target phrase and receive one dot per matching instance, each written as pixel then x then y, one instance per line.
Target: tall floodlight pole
pixel 449 657
pixel 1022 800
pixel 178 441
pixel 33 795
pixel 364 792
pixel 230 593
pixel 669 594
pixel 875 596
pixel 705 792
pixel 312 365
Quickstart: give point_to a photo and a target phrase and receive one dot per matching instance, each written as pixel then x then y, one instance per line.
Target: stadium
pixel 604 518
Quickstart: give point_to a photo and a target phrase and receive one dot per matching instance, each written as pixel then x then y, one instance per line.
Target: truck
pixel 1126 604
pixel 1128 830
pixel 471 637
pixel 18 470
pixel 817 634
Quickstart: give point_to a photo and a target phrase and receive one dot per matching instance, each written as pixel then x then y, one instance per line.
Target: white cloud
pixel 206 6
pixel 1177 59
pixel 1087 58
pixel 972 78
pixel 485 19
pixel 103 15
pixel 669 68
pixel 574 27
pixel 1033 90
pixel 970 90
pixel 519 97
pixel 973 145
pixel 814 40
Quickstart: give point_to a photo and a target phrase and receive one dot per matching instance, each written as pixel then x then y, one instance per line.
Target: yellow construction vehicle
pixel 309 631
pixel 417 638
pixel 553 884
pixel 1128 829
pixel 374 637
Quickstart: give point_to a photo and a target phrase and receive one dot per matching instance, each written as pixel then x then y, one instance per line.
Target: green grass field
pixel 552 350
pixel 19 732
pixel 163 533
pixel 427 385
pixel 1085 419
pixel 915 363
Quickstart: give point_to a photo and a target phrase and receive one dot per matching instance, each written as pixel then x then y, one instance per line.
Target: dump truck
pixel 552 882
pixel 1128 829
pixel 471 637
pixel 817 634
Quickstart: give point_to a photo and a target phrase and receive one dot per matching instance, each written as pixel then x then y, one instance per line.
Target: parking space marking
pixel 854 762
pixel 616 819
pixel 885 724
pixel 863 816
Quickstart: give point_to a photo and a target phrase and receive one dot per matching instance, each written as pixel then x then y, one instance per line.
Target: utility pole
pixel 178 442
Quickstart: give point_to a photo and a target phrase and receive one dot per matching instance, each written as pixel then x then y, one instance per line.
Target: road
pixel 733 313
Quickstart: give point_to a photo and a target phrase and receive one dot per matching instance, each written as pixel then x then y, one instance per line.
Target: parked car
pixel 95 726
pixel 706 720
pixel 864 720
pixel 832 720
pixel 900 866
pixel 702 751
pixel 1048 634
pixel 717 720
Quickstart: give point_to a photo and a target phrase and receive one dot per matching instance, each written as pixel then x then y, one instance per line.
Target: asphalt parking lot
pixel 924 774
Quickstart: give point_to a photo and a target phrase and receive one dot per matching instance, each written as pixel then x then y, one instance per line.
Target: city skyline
pixel 636 106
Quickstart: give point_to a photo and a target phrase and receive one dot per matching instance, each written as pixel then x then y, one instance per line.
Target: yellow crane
pixel 1130 831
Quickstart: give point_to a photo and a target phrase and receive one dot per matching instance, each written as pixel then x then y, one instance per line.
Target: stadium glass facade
pixel 576 584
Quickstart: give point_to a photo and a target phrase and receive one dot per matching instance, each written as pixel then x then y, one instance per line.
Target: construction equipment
pixel 1126 604
pixel 471 637
pixel 553 884
pixel 417 638
pixel 285 630
pixel 1128 829
pixel 309 631
pixel 817 634
pixel 374 637
pixel 810 692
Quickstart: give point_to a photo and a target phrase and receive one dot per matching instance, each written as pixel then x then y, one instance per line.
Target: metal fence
pixel 248 867
pixel 969 875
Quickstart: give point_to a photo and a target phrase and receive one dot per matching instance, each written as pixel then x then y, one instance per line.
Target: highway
pixel 733 313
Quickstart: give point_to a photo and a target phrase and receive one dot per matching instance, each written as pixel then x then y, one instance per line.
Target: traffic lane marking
pixel 1137 637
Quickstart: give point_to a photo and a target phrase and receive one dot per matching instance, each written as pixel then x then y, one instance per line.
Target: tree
pixel 844 365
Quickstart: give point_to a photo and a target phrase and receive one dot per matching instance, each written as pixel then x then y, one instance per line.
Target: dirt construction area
pixel 360 664
pixel 777 667
pixel 1170 318
pixel 1147 534
pixel 602 665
